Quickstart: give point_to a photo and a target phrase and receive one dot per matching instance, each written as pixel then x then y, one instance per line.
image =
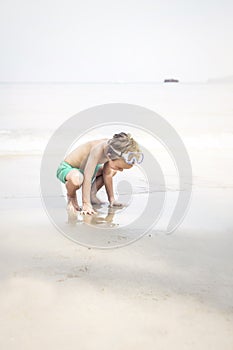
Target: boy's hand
pixel 114 203
pixel 87 209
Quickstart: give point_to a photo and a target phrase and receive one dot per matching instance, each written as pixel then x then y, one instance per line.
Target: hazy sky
pixel 104 40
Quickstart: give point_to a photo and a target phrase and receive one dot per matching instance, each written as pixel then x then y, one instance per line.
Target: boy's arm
pixel 107 177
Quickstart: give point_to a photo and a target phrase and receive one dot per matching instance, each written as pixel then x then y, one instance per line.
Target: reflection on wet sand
pixel 104 216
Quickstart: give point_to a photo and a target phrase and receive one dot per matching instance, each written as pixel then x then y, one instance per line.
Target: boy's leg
pixel 96 185
pixel 74 180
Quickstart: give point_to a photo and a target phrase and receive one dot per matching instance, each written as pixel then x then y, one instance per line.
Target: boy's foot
pixel 72 201
pixel 95 200
pixel 72 213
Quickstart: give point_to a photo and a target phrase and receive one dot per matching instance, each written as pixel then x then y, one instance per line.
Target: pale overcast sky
pixel 121 40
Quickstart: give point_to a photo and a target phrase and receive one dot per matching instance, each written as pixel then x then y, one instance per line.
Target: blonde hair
pixel 121 143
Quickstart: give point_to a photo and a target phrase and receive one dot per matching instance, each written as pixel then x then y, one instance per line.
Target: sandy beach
pixel 161 292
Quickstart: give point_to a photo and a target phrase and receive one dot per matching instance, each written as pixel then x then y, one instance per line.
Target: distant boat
pixel 171 81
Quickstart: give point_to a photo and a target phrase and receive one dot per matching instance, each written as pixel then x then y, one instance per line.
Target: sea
pixel 201 113
pixel 30 112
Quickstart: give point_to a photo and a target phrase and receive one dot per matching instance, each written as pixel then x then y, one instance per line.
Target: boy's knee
pixel 75 177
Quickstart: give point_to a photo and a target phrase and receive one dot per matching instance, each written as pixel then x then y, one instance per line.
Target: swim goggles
pixel 130 157
pixel 133 157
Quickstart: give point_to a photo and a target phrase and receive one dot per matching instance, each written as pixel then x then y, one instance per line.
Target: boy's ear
pixel 108 156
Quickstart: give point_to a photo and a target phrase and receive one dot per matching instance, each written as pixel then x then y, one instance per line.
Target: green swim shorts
pixel 65 167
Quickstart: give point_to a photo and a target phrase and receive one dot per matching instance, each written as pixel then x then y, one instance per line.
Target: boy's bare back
pixel 79 156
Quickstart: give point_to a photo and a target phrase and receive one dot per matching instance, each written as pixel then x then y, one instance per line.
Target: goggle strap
pixel 117 152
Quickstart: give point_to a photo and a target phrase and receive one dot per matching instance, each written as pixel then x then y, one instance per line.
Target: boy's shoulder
pixel 98 149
